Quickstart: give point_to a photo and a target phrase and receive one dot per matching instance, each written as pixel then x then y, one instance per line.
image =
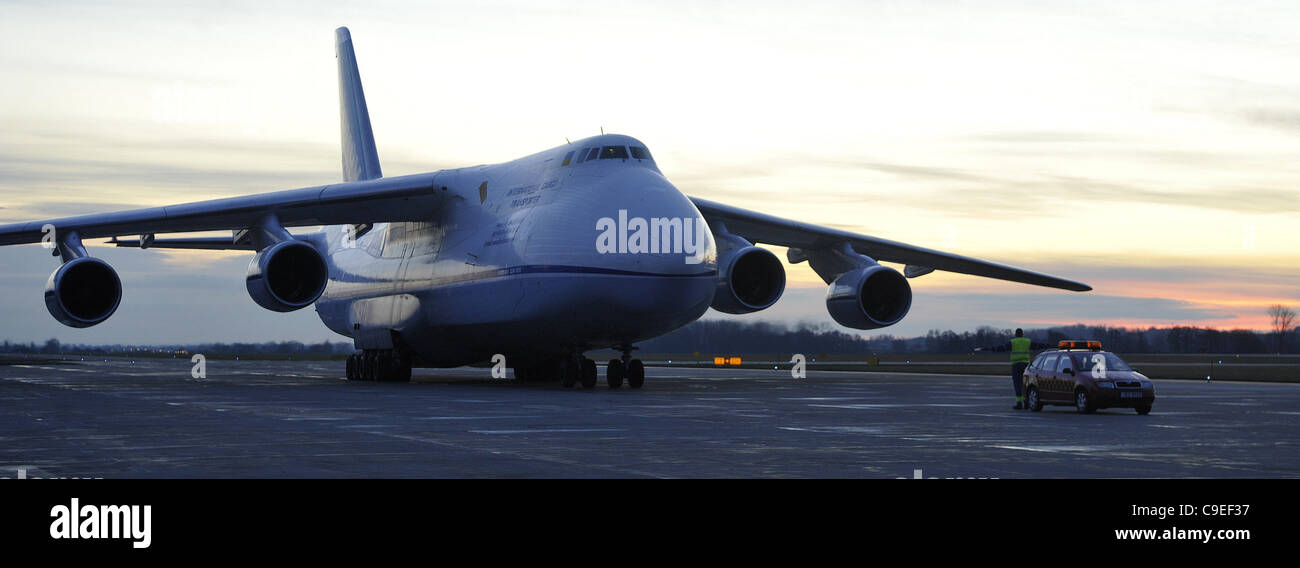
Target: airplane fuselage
pixel 547 254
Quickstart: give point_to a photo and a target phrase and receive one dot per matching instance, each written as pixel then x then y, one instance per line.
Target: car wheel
pixel 1035 403
pixel 1143 410
pixel 1083 403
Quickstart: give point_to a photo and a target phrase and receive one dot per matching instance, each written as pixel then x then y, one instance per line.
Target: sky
pixel 1151 150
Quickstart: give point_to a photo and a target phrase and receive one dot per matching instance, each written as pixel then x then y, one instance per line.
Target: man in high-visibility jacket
pixel 1019 346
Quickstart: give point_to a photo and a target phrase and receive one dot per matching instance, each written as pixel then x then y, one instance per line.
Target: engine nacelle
pixel 869 297
pixel 83 292
pixel 749 279
pixel 286 276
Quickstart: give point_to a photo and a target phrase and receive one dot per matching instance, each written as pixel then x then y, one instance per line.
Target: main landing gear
pixel 571 371
pixel 625 368
pixel 387 365
pixel 577 369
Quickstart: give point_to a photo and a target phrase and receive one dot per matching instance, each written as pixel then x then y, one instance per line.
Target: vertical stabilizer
pixel 360 159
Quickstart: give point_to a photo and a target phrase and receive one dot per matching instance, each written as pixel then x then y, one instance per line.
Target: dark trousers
pixel 1018 378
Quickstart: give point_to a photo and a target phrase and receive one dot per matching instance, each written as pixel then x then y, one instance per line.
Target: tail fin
pixel 360 159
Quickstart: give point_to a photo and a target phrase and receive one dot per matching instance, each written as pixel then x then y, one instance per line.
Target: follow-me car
pixel 541 259
pixel 1083 375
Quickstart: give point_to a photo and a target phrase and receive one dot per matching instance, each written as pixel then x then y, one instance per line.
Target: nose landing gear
pixel 625 368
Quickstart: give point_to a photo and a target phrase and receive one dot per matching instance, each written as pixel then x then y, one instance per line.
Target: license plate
pixel 1130 395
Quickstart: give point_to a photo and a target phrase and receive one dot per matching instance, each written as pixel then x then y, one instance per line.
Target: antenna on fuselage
pixel 602 130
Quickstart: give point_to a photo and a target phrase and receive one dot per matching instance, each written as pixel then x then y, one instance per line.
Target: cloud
pixel 1287 119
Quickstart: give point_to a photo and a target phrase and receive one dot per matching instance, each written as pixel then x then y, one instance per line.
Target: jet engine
pixel 869 297
pixel 286 276
pixel 749 279
pixel 83 292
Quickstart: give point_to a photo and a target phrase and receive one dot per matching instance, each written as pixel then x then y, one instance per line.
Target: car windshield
pixel 1093 362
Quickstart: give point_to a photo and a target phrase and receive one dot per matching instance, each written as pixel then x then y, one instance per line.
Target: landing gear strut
pixel 625 368
pixel 386 365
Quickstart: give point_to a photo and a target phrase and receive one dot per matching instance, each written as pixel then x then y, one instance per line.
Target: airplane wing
pixel 798 236
pixel 406 198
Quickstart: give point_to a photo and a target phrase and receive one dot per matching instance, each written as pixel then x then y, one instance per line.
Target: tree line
pixel 720 336
pixel 731 337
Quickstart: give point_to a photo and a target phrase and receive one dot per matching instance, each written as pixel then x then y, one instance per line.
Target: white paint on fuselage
pixel 514 269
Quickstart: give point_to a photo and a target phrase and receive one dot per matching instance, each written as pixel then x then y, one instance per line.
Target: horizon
pixel 796 327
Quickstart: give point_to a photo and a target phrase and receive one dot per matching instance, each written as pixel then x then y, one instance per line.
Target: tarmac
pixel 149 418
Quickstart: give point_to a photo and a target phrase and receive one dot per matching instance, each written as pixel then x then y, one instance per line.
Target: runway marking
pixel 837 429
pixel 305 418
pixel 820 398
pixel 501 417
pixel 860 406
pixel 1057 449
pixel 1017 415
pixel 548 430
pixel 867 406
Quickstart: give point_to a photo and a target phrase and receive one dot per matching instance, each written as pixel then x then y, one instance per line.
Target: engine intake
pixel 749 279
pixel 869 297
pixel 286 276
pixel 83 292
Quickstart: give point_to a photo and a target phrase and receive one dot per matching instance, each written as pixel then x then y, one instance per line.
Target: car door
pixel 1044 375
pixel 1063 383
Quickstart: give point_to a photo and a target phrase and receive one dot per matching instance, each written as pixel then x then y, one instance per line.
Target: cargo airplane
pixel 580 247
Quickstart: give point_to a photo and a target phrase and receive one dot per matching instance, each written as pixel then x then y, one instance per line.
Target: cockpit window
pixel 582 155
pixel 567 158
pixel 591 154
pixel 640 153
pixel 612 152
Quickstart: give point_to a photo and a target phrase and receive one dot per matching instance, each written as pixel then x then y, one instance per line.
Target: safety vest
pixel 1020 349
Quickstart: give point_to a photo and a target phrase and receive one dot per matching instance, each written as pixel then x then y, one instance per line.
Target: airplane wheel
pixel 381 367
pixel 614 373
pixel 395 367
pixel 589 373
pixel 351 367
pixel 379 364
pixel 570 374
pixel 635 373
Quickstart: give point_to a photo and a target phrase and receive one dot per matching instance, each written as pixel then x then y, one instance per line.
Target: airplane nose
pixel 648 259
pixel 644 223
